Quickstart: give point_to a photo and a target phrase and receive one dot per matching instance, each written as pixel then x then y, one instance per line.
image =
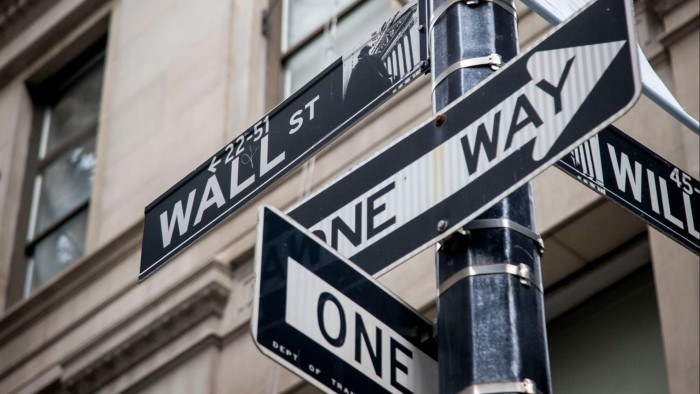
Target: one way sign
pixel 495 138
pixel 330 323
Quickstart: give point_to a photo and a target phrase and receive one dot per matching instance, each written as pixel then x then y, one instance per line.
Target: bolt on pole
pixel 491 324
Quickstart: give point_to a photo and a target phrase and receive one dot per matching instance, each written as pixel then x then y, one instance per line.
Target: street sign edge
pixel 648 219
pixel 641 215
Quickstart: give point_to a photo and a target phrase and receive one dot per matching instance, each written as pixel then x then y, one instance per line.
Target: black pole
pixel 491 326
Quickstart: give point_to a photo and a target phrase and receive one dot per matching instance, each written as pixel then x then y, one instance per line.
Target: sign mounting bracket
pixel 505 223
pixel 522 271
pixel 505 4
pixel 493 60
pixel 527 386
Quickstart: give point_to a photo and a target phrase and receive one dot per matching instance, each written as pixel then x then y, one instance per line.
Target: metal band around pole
pixel 505 223
pixel 527 386
pixel 493 60
pixel 522 271
pixel 508 5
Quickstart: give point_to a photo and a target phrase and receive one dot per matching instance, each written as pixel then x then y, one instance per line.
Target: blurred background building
pixel 105 104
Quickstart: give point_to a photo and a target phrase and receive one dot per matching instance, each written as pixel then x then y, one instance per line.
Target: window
pixel 316 32
pixel 612 342
pixel 62 167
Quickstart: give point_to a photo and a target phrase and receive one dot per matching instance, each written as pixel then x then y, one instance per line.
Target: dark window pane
pixel 55 252
pixel 69 106
pixel 349 32
pixel 611 343
pixel 75 112
pixel 304 16
pixel 65 184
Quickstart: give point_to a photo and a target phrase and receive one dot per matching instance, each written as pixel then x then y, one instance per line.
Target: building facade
pixel 105 104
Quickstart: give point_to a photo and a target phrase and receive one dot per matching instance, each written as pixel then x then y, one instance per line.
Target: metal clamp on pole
pixel 527 386
pixel 505 223
pixel 508 5
pixel 493 60
pixel 522 271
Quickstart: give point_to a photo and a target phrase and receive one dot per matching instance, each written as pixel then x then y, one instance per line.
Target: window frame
pixel 43 94
pixel 286 52
pixel 289 51
pixel 274 28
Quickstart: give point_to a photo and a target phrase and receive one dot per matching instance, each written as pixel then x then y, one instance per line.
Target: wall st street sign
pixel 486 144
pixel 287 136
pixel 638 179
pixel 323 318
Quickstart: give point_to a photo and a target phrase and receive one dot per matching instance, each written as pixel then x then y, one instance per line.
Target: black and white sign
pixel 622 169
pixel 284 138
pixel 489 142
pixel 332 324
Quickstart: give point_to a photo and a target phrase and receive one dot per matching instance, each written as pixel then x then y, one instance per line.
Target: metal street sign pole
pixel 329 322
pixel 491 327
pixel 630 174
pixel 291 133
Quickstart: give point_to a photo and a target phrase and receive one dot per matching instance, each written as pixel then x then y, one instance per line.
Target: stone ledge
pixel 138 319
pixel 47 27
pixel 68 283
pixel 662 7
pixel 182 296
pixel 209 301
pixel 680 30
pixel 12 10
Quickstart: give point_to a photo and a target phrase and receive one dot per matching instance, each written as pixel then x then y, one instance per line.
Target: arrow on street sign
pixel 627 172
pixel 491 141
pixel 288 135
pixel 553 11
pixel 329 322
